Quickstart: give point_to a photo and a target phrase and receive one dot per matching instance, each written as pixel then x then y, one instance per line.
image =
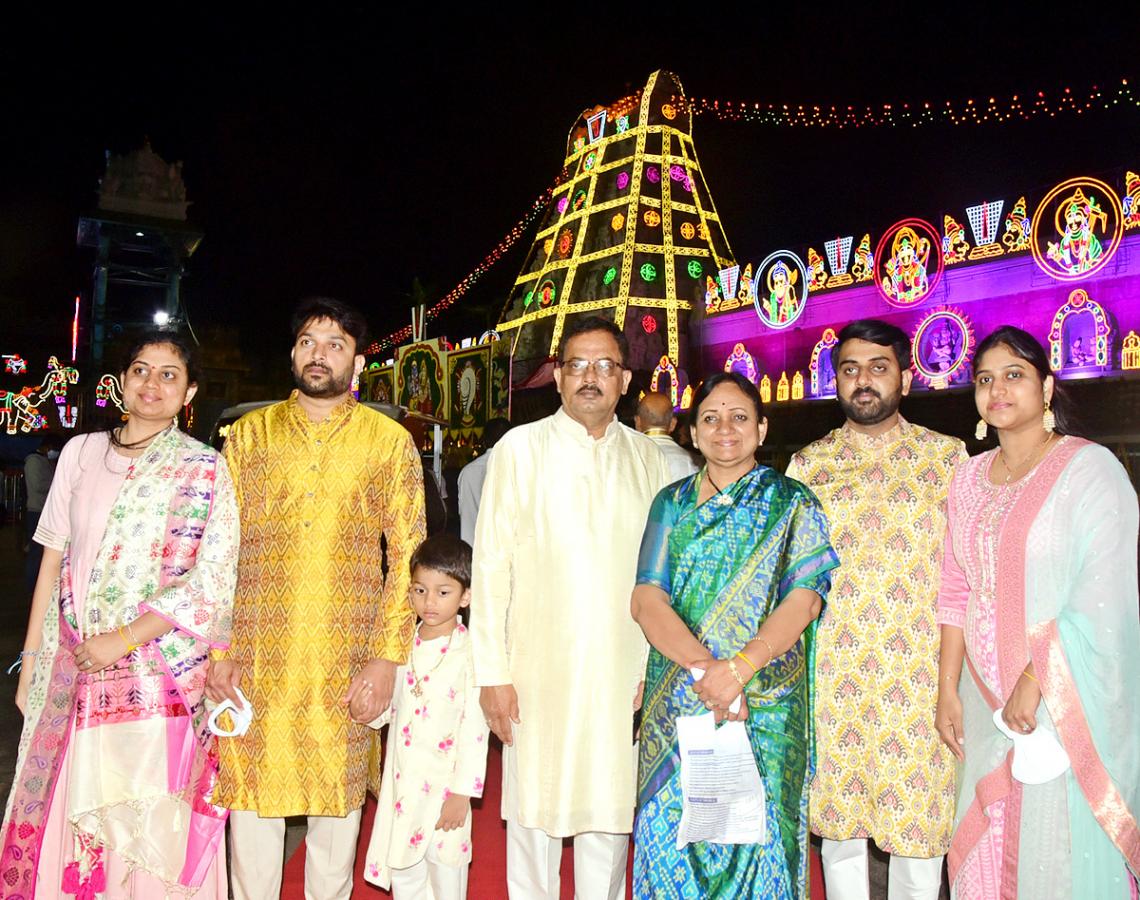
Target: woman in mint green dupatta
pixel 734 566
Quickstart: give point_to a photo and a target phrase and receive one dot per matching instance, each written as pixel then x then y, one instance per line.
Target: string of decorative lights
pixel 1016 108
pixel 508 240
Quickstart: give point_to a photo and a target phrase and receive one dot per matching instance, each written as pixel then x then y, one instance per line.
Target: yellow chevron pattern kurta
pixel 312 605
pixel 881 771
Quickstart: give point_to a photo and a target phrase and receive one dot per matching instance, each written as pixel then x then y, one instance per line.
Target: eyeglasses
pixel 604 368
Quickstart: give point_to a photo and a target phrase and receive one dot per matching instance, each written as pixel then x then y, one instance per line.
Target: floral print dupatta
pixel 142 761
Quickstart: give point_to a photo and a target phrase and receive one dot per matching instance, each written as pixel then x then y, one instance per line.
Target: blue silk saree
pixel 726 565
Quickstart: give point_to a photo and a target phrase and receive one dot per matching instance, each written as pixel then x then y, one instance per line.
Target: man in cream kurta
pixel 556 652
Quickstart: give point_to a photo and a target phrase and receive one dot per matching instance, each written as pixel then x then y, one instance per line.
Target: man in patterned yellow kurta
pixel 882 773
pixel 320 480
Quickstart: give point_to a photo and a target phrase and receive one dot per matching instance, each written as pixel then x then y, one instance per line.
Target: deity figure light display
pixel 1088 224
pixel 782 300
pixel 914 266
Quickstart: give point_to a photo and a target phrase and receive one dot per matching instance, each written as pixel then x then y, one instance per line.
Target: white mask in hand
pixel 1037 757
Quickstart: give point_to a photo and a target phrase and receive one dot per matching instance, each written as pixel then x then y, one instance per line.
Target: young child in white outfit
pixel 436 753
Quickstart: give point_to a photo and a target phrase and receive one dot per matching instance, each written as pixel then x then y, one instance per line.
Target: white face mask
pixel 53 454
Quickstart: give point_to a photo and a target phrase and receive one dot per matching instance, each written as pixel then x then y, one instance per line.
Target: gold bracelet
pixel 1030 675
pixel 736 673
pixel 771 652
pixel 752 665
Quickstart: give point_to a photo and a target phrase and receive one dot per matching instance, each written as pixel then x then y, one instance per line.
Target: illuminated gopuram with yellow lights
pixel 630 234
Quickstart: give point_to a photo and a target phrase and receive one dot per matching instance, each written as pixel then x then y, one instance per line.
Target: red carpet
pixel 487 879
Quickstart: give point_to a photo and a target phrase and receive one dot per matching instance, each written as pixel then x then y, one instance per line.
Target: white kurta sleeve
pixel 471 744
pixel 495 539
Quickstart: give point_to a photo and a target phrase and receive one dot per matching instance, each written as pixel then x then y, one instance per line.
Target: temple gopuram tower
pixel 631 234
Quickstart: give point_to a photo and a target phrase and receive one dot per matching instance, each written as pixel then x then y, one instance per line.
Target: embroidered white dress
pixel 436 746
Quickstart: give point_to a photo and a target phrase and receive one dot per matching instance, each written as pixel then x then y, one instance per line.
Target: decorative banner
pixel 1081 336
pixel 419 380
pixel 821 369
pixel 500 380
pixel 740 360
pixel 467 379
pixel 984 220
pixel 782 291
pixel 911 270
pixel 942 347
pixel 376 385
pixel 1086 222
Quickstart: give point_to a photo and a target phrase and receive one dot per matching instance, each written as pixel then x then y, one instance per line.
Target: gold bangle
pixel 771 652
pixel 1030 675
pixel 736 673
pixel 740 655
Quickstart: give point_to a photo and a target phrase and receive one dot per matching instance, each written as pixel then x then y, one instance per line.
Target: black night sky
pixel 348 154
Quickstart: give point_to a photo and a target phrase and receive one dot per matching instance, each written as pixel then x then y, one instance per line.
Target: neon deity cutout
pixel 955 247
pixel 1017 227
pixel 914 266
pixel 1079 207
pixel 781 296
pixel 1080 337
pixel 818 278
pixel 821 370
pixel 863 269
pixel 1131 202
pixel 942 347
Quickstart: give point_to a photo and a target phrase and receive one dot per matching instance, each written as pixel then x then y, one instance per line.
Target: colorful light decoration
pixel 955 247
pixel 648 272
pixel 838 252
pixel 782 389
pixel 68 415
pixel 1078 305
pixel 687 397
pixel 765 390
pixel 1130 352
pixel 821 371
pixel 694 268
pixel 547 293
pixel 688 230
pixel 1130 204
pixel 18 413
pixel 1017 108
pixel 740 360
pixel 1017 226
pixel 14 364
pixel 782 294
pixel 75 331
pixel 942 346
pixel 666 368
pixel 906 278
pixel 798 385
pixel 984 219
pixel 488 336
pixel 1081 204
pixel 649 325
pixel 109 388
pixel 622 181
pixel 611 274
pixel 653 175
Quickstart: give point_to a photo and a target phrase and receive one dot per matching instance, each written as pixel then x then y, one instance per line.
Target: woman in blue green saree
pixel 734 567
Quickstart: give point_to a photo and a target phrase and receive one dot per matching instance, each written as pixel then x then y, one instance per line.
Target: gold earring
pixel 1048 420
pixel 981 430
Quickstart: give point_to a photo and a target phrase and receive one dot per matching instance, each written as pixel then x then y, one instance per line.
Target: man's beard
pixel 333 387
pixel 874 413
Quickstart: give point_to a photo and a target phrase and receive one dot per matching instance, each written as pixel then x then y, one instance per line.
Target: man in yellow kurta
pixel 320 480
pixel 557 654
pixel 882 773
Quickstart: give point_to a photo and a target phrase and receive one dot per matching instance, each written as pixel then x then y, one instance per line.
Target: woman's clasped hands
pixel 717 688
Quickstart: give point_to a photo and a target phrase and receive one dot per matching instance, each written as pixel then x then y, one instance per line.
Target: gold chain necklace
pixel 418 681
pixel 1032 456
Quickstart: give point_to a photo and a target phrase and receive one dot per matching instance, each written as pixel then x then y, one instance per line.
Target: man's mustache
pixel 593 389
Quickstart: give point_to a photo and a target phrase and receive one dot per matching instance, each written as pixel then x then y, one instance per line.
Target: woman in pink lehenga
pixel 117 766
pixel 1039 598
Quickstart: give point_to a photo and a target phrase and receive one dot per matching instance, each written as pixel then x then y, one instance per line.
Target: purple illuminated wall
pixel 1008 290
